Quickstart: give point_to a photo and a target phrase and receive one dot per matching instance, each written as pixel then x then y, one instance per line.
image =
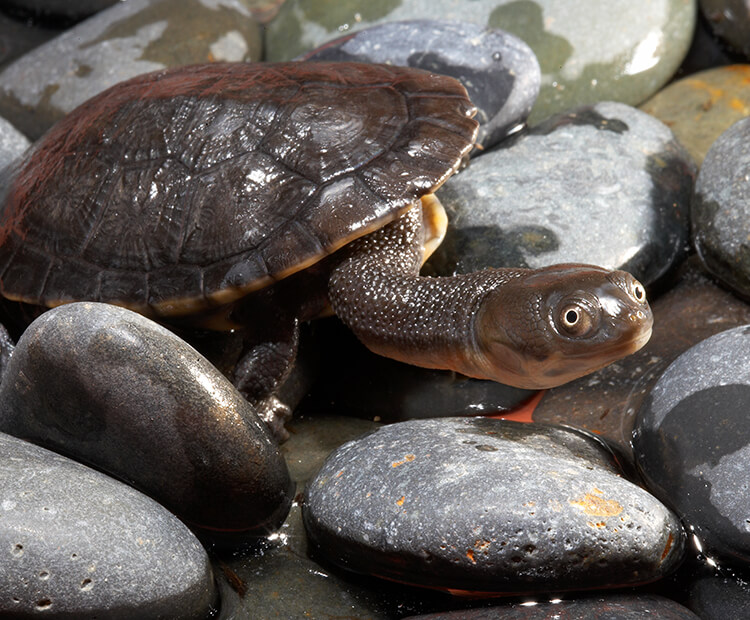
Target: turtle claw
pixel 275 414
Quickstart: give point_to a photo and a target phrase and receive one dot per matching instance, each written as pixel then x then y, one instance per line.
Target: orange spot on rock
pixel 407 459
pixel 597 506
pixel 401 501
pixel 470 555
pixel 670 541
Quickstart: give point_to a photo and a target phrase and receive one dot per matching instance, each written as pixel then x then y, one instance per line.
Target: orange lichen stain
pixel 470 555
pixel 522 413
pixel 596 524
pixel 597 506
pixel 407 459
pixel 740 106
pixel 341 473
pixel 713 92
pixel 668 546
pixel 401 501
pixel 482 545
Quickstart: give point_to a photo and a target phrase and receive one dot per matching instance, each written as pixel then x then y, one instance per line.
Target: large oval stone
pixel 111 388
pixel 78 544
pixel 118 43
pixel 720 209
pixel 692 441
pixel 605 184
pixel 498 70
pixel 487 505
pixel 581 61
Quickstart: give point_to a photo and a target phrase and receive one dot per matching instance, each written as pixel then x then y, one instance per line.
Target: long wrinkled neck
pixel 425 321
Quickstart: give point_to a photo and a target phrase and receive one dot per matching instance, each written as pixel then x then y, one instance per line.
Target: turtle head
pixel 552 325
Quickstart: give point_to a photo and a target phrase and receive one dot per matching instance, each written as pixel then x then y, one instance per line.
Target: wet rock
pixel 487 505
pixel 699 108
pixel 605 184
pixel 499 71
pixel 108 387
pixel 720 594
pixel 125 40
pixel 730 21
pixel 612 607
pixel 606 402
pixel 78 544
pixel 720 210
pixel 18 37
pixel 580 60
pixel 692 441
pixel 12 145
pixel 66 9
pixel 354 381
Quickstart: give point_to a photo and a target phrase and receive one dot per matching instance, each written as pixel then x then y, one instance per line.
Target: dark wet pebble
pixel 581 60
pixel 108 387
pixel 12 145
pixel 487 505
pixel 130 38
pixel 355 381
pixel 720 209
pixel 692 442
pixel 606 401
pixel 612 607
pixel 730 21
pixel 66 9
pixel 500 72
pixel 699 108
pixel 78 544
pixel 721 594
pixel 604 184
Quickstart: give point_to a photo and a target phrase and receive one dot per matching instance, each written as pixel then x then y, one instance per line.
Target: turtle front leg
pixel 263 368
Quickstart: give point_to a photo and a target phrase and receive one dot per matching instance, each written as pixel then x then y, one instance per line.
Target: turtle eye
pixel 575 320
pixel 637 291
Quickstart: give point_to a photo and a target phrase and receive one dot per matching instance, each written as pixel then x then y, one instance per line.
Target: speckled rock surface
pixel 411 502
pixel 613 607
pixel 499 71
pixel 730 21
pixel 720 210
pixel 18 37
pixel 699 108
pixel 78 544
pixel 580 58
pixel 606 185
pixel 111 388
pixel 692 441
pixel 125 40
pixel 721 594
pixel 12 145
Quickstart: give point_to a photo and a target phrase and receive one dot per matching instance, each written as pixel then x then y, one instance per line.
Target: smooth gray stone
pixel 498 70
pixel 12 145
pixel 128 39
pixel 730 21
pixel 78 544
pixel 692 442
pixel 720 210
pixel 606 184
pixel 108 387
pixel 490 506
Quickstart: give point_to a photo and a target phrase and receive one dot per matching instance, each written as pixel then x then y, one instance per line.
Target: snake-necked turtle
pixel 251 194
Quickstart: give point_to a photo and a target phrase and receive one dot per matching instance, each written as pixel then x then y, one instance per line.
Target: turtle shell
pixel 188 188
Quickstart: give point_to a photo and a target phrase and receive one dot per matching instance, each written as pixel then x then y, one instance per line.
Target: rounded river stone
pixel 69 9
pixel 613 607
pixel 588 50
pixel 499 71
pixel 18 37
pixel 730 21
pixel 721 595
pixel 75 543
pixel 489 506
pixel 12 145
pixel 128 39
pixel 607 185
pixel 692 442
pixel 111 388
pixel 720 209
pixel 699 108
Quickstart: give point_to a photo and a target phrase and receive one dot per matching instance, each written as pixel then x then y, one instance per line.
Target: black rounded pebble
pixel 109 387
